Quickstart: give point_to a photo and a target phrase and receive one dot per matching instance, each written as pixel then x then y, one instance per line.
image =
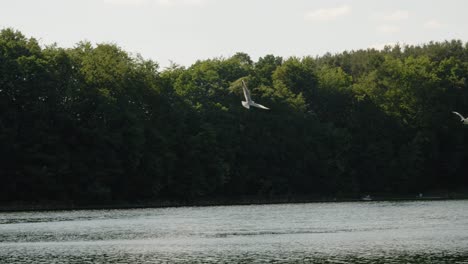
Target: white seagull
pixel 463 120
pixel 248 101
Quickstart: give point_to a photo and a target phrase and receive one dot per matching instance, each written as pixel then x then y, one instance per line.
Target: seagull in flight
pixel 463 120
pixel 248 101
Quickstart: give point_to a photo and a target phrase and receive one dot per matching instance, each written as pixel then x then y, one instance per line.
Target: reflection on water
pixel 368 232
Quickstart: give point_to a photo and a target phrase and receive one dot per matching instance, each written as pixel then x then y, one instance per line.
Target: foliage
pixel 93 124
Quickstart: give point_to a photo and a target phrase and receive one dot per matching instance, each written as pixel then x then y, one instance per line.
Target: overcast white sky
pixel 186 30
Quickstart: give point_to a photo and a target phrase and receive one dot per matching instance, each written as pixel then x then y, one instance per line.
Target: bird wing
pixel 458 114
pixel 246 92
pixel 259 106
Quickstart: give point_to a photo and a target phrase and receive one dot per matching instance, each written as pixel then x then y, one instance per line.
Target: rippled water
pixel 367 232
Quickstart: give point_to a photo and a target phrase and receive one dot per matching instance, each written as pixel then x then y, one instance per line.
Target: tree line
pixel 93 124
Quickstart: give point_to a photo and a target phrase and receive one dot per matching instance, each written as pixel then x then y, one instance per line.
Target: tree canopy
pixel 93 124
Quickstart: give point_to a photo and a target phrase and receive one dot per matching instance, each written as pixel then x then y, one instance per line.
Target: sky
pixel 184 31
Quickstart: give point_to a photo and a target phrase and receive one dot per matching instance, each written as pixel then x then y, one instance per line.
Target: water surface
pixel 366 232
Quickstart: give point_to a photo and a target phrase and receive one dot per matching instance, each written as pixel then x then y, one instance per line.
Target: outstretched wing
pixel 259 106
pixel 458 114
pixel 246 92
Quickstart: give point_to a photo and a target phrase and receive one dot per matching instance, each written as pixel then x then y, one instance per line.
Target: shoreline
pixel 70 206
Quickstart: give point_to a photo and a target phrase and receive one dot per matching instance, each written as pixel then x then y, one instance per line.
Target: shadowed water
pixel 367 232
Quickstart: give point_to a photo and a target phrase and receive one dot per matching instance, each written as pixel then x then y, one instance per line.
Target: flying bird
pixel 463 120
pixel 248 101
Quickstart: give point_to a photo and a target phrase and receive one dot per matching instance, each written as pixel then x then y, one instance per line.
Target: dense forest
pixel 95 124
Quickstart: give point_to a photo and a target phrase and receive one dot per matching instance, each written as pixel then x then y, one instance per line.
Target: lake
pixel 349 232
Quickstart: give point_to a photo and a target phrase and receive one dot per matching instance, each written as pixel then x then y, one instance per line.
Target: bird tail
pixel 245 104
